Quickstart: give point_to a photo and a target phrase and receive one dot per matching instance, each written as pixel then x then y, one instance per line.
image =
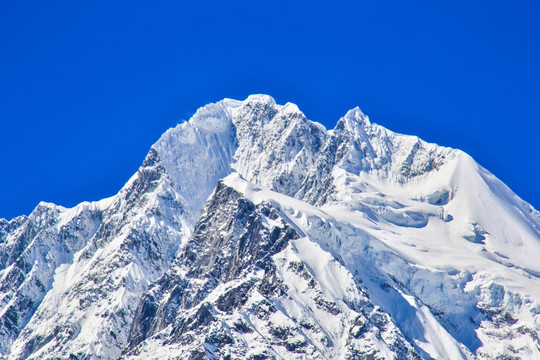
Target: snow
pixel 437 242
pixel 420 230
pixel 431 336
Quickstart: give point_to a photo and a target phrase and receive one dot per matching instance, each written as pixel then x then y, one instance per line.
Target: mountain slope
pixel 355 242
pixel 244 287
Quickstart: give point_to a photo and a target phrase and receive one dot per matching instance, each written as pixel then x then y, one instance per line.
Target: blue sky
pixel 87 87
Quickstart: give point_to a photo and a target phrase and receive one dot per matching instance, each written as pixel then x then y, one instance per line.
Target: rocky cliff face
pixel 233 293
pixel 122 244
pixel 252 232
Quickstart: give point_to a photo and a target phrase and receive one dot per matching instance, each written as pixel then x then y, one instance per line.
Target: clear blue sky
pixel 86 87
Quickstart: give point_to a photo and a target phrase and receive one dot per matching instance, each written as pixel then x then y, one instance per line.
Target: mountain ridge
pixel 412 222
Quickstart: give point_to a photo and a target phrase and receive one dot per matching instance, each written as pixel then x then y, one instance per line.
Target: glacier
pixel 251 232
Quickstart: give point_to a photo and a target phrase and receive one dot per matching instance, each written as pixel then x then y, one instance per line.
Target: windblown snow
pixel 251 232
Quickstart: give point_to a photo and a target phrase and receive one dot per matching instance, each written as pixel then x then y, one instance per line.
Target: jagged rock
pixel 250 232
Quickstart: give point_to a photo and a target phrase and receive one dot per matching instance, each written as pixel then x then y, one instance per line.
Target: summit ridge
pixel 251 232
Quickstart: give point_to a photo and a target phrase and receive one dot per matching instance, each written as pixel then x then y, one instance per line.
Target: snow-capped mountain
pixel 251 232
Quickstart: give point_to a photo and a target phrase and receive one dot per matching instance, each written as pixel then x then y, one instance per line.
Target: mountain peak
pixel 353 120
pixel 261 98
pixel 290 108
pixel 252 232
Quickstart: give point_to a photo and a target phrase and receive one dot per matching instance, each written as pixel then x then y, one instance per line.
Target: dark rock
pixel 234 298
pixel 242 327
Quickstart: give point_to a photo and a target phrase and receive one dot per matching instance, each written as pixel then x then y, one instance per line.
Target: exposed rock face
pixel 117 248
pixel 223 296
pixel 250 232
pixel 32 248
pixel 231 240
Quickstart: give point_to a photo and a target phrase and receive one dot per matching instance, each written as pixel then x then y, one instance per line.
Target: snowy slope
pixel 248 285
pixel 355 242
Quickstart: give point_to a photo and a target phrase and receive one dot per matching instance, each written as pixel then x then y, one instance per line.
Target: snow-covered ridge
pixel 277 147
pixel 418 250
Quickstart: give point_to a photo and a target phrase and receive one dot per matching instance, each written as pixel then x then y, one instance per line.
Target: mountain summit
pixel 251 232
